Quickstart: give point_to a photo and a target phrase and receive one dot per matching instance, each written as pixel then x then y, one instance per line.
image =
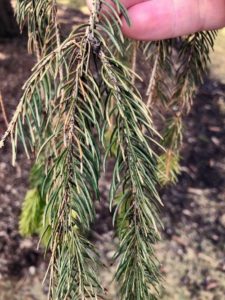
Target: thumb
pixel 162 19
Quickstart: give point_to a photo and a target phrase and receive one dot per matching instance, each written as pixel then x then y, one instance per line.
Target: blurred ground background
pixel 193 241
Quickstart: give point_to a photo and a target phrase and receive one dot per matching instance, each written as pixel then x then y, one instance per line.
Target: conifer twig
pixel 152 80
pixel 12 123
pixel 3 111
pixel 134 61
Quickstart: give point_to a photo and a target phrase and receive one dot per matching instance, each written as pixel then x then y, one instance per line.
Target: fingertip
pixel 149 21
pixel 163 19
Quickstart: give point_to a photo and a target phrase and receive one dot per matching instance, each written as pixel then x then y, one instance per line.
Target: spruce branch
pixel 75 177
pixel 135 177
pixel 72 154
pixel 72 165
pixel 158 54
pixel 193 57
pixel 191 54
pixel 80 90
pixel 40 18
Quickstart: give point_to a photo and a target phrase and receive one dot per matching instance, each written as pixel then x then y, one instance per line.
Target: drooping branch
pixel 79 91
